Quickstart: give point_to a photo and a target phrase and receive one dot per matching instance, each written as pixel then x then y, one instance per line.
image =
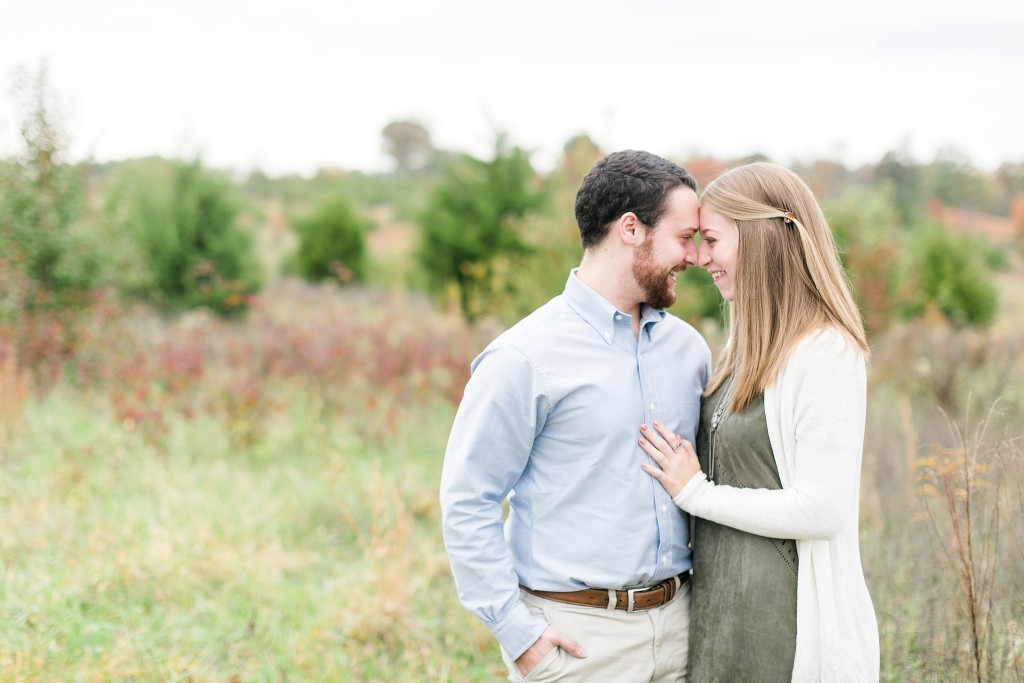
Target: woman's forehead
pixel 712 220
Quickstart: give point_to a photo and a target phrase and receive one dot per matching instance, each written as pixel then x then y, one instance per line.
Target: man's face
pixel 667 249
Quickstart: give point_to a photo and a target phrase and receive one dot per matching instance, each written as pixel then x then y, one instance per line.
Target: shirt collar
pixel 601 314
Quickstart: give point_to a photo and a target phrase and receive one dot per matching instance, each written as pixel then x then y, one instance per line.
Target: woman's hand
pixel 675 457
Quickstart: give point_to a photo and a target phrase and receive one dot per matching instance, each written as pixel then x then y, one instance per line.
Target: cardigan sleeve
pixel 827 378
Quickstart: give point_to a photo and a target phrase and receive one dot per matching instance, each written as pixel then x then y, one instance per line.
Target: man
pixel 588 582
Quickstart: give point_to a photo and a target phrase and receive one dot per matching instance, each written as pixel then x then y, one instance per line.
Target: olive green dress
pixel 743 600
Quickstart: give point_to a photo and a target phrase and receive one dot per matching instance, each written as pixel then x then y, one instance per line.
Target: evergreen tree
pixel 472 226
pixel 331 243
pixel 40 202
pixel 196 253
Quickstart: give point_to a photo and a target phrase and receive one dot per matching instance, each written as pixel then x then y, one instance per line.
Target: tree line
pixel 494 235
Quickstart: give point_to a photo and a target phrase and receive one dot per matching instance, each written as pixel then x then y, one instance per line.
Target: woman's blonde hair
pixel 788 278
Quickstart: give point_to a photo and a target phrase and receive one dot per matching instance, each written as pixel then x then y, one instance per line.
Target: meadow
pixel 255 500
pixel 237 502
pixel 211 470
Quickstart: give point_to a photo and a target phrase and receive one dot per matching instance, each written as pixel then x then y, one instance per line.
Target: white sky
pixel 292 85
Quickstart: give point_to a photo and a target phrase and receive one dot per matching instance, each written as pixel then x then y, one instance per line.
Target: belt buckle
pixel 630 596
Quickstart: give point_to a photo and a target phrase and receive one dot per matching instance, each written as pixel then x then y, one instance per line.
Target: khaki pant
pixel 622 647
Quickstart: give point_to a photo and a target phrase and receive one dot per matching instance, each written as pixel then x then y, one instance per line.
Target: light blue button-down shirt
pixel 550 420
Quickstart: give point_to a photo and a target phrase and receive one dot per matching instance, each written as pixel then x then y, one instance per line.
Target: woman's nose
pixel 703 257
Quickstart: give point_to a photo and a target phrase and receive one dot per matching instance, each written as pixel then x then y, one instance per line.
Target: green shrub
pixel 951 278
pixel 331 243
pixel 40 239
pixel 187 236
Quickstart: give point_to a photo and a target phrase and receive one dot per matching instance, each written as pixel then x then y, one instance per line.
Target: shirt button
pixel 607 335
pixel 664 559
pixel 664 508
pixel 691 572
pixel 618 317
pixel 652 406
pixel 689 544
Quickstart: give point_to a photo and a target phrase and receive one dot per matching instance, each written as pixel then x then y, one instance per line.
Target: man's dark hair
pixel 626 181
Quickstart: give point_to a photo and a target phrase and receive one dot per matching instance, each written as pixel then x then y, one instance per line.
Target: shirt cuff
pixel 682 498
pixel 518 630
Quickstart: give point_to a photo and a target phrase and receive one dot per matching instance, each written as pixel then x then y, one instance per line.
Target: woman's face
pixel 719 246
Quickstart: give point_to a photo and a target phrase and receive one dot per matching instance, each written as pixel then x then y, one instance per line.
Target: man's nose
pixel 691 254
pixel 687 257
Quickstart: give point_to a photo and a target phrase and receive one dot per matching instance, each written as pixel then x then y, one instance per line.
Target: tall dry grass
pixel 942 528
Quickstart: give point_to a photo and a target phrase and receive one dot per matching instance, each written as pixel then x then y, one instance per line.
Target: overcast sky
pixel 292 85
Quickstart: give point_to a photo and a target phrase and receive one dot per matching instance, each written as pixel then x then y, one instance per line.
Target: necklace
pixel 716 421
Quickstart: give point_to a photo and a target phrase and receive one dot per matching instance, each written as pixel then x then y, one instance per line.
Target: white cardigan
pixel 815 412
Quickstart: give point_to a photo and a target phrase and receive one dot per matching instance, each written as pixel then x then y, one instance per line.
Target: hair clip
pixel 788 217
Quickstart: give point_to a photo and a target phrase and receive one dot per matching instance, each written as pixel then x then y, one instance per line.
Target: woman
pixel 778 589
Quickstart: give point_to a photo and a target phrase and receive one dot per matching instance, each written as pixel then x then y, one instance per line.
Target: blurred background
pixel 248 250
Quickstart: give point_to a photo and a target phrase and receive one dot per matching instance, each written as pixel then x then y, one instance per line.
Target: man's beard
pixel 651 278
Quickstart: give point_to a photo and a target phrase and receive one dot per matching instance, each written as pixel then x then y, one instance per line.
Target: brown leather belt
pixel 631 600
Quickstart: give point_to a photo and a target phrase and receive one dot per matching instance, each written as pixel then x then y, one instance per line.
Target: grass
pixel 310 557
pixel 256 501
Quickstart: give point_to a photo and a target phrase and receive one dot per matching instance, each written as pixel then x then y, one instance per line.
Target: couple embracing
pixel 667 521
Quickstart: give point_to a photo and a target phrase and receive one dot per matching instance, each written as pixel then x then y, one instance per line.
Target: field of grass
pixel 255 500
